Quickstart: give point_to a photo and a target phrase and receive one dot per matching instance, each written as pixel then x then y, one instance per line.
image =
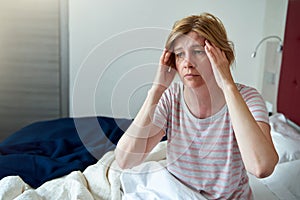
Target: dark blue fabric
pixel 49 149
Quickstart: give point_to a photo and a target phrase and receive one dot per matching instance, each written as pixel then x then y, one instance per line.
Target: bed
pixel 72 158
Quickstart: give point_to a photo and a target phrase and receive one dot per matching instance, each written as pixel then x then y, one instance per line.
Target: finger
pixel 224 55
pixel 208 44
pixel 208 50
pixel 167 56
pixel 208 47
pixel 162 57
pixel 215 52
pixel 213 48
pixel 219 53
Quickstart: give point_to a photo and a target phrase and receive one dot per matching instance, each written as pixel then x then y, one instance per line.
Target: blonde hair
pixel 207 26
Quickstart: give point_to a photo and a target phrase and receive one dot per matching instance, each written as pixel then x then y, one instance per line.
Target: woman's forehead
pixel 188 40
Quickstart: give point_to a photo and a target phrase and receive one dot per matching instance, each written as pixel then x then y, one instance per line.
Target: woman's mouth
pixel 190 75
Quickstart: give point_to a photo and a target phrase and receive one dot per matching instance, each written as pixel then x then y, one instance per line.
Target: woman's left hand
pixel 219 63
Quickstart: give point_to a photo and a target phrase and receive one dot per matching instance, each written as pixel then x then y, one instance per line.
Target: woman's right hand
pixel 165 73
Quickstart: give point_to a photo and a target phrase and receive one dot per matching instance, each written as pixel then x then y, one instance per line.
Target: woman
pixel 217 129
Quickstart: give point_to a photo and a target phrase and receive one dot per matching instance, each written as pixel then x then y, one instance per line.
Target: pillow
pixel 294 125
pixel 286 138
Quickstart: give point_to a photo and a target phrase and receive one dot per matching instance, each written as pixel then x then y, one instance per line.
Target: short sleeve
pixel 255 103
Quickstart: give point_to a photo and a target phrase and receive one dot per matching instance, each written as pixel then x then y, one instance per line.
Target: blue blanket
pixel 49 149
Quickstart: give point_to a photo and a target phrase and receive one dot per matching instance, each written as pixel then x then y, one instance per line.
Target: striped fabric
pixel 203 153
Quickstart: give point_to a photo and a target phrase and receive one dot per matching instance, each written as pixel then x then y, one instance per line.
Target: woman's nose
pixel 187 63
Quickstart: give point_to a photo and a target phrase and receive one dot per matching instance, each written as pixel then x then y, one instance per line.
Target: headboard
pixel 288 100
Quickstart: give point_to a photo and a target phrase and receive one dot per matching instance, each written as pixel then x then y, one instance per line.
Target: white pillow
pixel 285 137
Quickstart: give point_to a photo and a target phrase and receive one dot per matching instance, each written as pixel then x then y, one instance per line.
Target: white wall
pixel 270 59
pixel 115 46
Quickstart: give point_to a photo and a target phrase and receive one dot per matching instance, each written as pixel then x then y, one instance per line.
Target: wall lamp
pixel 279 49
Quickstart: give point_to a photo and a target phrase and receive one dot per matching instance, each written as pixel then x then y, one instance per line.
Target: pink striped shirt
pixel 203 153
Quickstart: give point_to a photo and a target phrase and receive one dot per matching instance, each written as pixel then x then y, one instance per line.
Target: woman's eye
pixel 199 52
pixel 179 55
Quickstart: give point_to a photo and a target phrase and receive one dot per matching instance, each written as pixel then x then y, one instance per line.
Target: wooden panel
pixel 29 63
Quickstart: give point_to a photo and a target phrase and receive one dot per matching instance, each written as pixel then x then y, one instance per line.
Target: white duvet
pixel 100 181
pixel 106 181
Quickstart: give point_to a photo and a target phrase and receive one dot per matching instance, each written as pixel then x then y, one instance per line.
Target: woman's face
pixel 191 62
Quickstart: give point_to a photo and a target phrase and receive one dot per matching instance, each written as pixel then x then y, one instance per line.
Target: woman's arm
pixel 142 135
pixel 253 138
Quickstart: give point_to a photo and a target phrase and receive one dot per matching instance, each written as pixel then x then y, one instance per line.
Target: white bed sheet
pixel 260 191
pixel 285 180
pixel 151 180
pixel 159 184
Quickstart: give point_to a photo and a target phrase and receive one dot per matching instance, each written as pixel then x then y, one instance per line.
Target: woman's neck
pixel 204 102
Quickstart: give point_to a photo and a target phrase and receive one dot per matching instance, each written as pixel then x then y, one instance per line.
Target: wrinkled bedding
pixel 106 181
pixel 100 181
pixel 50 149
pixel 75 160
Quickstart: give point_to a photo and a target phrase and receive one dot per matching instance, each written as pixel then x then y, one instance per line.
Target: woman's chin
pixel 193 83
